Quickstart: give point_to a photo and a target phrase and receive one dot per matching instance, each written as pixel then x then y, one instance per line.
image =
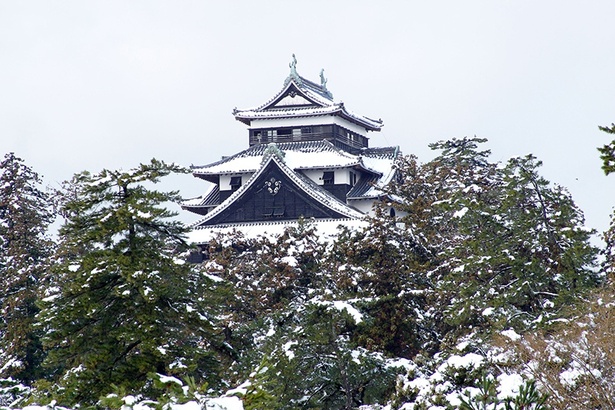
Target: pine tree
pixel 125 304
pixel 311 362
pixel 607 154
pixel 506 246
pixel 381 269
pixel 607 151
pixel 525 252
pixel 25 215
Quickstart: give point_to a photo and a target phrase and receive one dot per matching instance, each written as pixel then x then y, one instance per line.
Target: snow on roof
pixel 211 197
pixel 322 99
pixel 327 229
pixel 383 160
pixel 307 185
pixel 306 155
pixel 301 155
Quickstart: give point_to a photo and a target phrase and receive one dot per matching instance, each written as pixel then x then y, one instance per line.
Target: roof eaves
pixel 313 190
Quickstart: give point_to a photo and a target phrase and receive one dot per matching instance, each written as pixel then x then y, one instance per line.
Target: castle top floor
pixel 306 111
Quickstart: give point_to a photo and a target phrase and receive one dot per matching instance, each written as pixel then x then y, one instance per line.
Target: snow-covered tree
pixel 125 303
pixel 381 270
pixel 507 247
pixel 607 154
pixel 607 151
pixel 311 362
pixel 25 215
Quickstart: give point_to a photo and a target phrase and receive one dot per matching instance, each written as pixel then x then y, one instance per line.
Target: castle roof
pixel 302 155
pixel 326 204
pixel 301 97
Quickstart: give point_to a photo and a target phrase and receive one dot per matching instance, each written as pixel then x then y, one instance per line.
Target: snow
pixel 468 361
pixel 169 379
pixel 356 315
pixel 240 390
pixel 509 385
pixel 488 311
pixel 191 405
pixel 289 353
pixel 460 213
pixel 511 334
pixel 221 403
pixel 51 298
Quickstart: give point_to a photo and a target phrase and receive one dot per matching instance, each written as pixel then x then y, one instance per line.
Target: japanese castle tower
pixel 308 156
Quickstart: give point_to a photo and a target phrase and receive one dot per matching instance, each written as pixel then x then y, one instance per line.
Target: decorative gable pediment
pixel 276 193
pixel 293 96
pixel 292 99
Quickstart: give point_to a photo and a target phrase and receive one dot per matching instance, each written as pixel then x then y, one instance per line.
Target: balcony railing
pixel 361 142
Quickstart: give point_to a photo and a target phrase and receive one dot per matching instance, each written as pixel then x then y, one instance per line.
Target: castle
pixel 308 156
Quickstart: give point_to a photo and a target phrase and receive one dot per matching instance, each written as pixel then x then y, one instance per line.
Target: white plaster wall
pixel 362 205
pixel 366 206
pixel 341 175
pixel 225 180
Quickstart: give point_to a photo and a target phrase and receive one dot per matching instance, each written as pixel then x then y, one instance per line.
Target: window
pixel 328 178
pixel 284 134
pixel 235 183
pixel 353 178
pixel 306 130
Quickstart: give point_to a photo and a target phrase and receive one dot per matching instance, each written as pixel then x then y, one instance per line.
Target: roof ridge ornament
pixel 293 71
pixel 273 150
pixel 323 84
pixel 323 80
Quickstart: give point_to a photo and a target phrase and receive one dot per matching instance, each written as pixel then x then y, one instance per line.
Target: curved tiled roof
pixel 315 191
pixel 322 104
pixel 209 199
pixel 302 155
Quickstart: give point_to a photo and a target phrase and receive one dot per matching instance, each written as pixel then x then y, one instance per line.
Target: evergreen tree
pixel 607 151
pixel 506 246
pixel 125 304
pixel 525 254
pixel 607 154
pixel 25 215
pixel 265 275
pixel 311 363
pixel 381 269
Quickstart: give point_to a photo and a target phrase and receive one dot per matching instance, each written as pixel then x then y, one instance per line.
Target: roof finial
pixel 323 80
pixel 293 72
pixel 293 65
pixel 273 150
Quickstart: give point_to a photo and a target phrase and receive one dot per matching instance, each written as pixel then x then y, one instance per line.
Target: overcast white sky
pixel 110 84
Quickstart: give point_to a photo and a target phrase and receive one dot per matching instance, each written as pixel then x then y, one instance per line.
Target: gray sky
pixel 110 84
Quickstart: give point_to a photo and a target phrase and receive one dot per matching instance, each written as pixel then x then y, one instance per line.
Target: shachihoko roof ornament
pixel 273 149
pixel 293 71
pixel 302 98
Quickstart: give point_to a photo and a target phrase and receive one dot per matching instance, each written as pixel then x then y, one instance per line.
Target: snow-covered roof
pixel 304 155
pixel 312 189
pixel 210 198
pixel 381 159
pixel 327 229
pixel 301 97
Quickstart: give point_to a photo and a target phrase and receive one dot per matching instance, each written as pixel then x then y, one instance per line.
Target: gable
pixel 272 196
pixel 292 100
pixel 293 96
